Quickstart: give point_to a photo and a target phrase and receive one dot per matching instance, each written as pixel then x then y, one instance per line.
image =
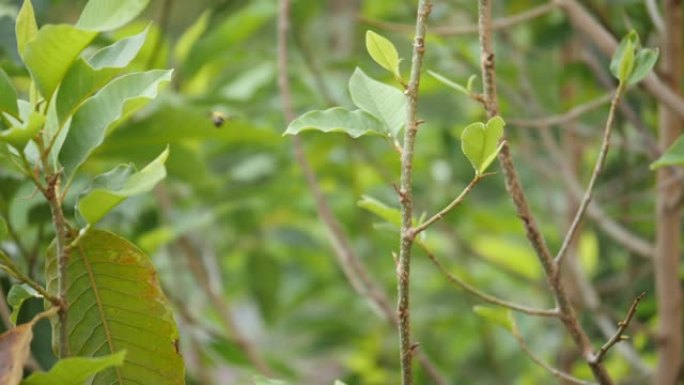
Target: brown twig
pixel 502 23
pixel 515 190
pixel 564 118
pixel 622 327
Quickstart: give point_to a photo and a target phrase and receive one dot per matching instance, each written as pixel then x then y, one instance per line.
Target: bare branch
pixel 564 118
pixel 622 327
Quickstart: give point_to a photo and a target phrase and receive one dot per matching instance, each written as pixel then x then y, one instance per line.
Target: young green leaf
pixel 16 297
pixel 383 52
pixel 622 62
pixel 107 15
pixel 115 101
pixel 116 303
pixel 674 156
pixel 498 316
pixel 386 103
pixel 58 45
pixel 261 380
pixel 21 132
pixel 480 143
pixel 390 214
pixel 338 119
pixel 8 95
pixel 449 83
pixel 643 64
pixel 112 188
pixel 25 27
pixel 75 370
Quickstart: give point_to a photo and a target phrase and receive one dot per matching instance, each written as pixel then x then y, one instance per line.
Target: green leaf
pixel 449 83
pixel 16 297
pixel 112 188
pixel 390 214
pixel 498 316
pixel 674 156
pixel 643 64
pixel 25 27
pixel 119 54
pixel 116 303
pixel 8 95
pixel 480 143
pixel 107 15
pixel 21 132
pixel 115 101
pixel 75 370
pixel 261 380
pixel 383 52
pixel 622 62
pixel 386 103
pixel 190 37
pixel 338 119
pixel 58 45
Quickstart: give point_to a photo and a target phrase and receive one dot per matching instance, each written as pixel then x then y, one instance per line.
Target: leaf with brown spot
pixel 15 345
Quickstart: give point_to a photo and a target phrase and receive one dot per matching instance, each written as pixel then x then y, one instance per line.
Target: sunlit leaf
pixel 386 103
pixel 115 101
pixel 480 143
pixel 116 303
pixel 674 156
pixel 112 188
pixel 16 297
pixel 498 316
pixel 25 27
pixel 383 52
pixel 390 214
pixel 449 83
pixel 75 370
pixel 338 119
pixel 106 15
pixel 58 45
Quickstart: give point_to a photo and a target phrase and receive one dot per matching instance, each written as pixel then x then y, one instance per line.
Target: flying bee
pixel 218 118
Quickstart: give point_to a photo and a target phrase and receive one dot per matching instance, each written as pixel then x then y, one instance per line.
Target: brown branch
pixel 622 327
pixel 598 167
pixel 502 23
pixel 564 118
pixel 514 187
pixel 482 295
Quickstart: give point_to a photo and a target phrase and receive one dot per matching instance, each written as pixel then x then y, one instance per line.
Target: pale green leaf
pixel 588 251
pixel 338 119
pixel 390 214
pixel 87 76
pixel 8 95
pixel 449 83
pixel 58 45
pixel 16 297
pixel 498 316
pixel 261 380
pixel 21 132
pixel 643 64
pixel 508 254
pixel 386 103
pixel 622 62
pixel 480 143
pixel 190 36
pixel 107 15
pixel 116 303
pixel 674 156
pixel 75 370
pixel 115 101
pixel 383 52
pixel 25 27
pixel 112 188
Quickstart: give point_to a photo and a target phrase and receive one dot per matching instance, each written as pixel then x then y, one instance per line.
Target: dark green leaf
pixel 8 95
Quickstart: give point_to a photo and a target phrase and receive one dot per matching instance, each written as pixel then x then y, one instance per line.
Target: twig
pixel 555 372
pixel 406 194
pixel 564 118
pixel 16 273
pixel 484 296
pixel 514 187
pixel 457 201
pixel 598 167
pixel 622 327
pixel 502 23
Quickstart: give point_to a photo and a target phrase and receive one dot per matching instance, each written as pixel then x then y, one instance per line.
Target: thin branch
pixel 515 190
pixel 7 264
pixel 482 295
pixel 555 372
pixel 598 167
pixel 622 327
pixel 502 23
pixel 564 118
pixel 442 213
pixel 656 17
pixel 406 195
